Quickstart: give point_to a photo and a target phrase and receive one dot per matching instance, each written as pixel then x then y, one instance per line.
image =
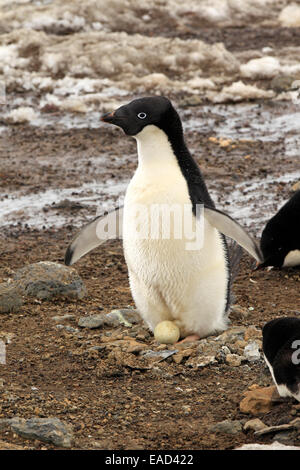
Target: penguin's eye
pixel 142 115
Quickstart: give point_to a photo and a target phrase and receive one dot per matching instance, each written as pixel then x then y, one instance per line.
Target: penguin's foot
pixel 189 339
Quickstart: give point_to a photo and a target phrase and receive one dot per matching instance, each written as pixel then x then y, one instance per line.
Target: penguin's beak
pixel 109 117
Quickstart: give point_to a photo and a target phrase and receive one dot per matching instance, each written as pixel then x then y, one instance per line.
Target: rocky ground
pixel 78 368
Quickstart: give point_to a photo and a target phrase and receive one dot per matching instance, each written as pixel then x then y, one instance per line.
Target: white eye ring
pixel 142 115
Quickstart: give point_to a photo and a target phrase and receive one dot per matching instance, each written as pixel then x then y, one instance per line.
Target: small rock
pixel 238 312
pixel 44 429
pixel 92 321
pixel 158 355
pixel 97 348
pixel 68 328
pixel 260 400
pixel 239 346
pixel 187 409
pixel 284 437
pixel 295 424
pixel 46 280
pixel 227 427
pixel 123 316
pixel 232 335
pixel 200 361
pixel 225 350
pixel 252 333
pixel 177 358
pixel 254 425
pixel 63 317
pixel 251 351
pixel 233 360
pixel 135 347
pixel 282 83
pixel 10 298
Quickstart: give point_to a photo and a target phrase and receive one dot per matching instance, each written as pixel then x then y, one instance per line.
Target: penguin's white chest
pixel 292 259
pixel 170 281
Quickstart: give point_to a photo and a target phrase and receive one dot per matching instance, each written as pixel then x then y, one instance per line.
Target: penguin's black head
pixel 137 114
pixel 273 250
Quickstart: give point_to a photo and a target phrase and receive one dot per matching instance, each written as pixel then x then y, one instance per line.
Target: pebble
pixel 227 427
pixel 238 312
pixel 123 316
pixel 295 424
pixel 251 351
pixel 126 317
pixel 284 437
pixel 233 360
pixel 260 400
pixel 254 425
pixel 200 361
pixel 63 317
pixel 159 355
pixel 51 430
pixel 282 83
pixel 47 280
pixel 68 328
pixel 252 333
pixel 231 335
pixel 92 321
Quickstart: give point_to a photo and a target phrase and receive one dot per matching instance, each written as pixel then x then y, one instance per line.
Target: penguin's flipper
pixel 231 228
pixel 103 228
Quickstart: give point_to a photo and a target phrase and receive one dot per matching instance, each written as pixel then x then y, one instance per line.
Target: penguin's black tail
pixel 234 254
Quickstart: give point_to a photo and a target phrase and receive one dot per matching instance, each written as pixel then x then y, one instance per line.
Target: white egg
pixel 166 332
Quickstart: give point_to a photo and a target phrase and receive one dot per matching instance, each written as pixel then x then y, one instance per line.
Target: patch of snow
pixel 264 67
pixel 274 446
pixel 28 209
pixel 22 114
pixel 290 16
pixel 238 91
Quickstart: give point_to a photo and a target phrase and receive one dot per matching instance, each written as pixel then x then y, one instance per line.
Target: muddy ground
pixel 52 372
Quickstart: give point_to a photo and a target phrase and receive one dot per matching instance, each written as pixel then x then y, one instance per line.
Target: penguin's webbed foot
pixel 189 339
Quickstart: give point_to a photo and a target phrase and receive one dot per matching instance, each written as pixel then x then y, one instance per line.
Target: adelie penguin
pixel 281 347
pixel 168 281
pixel 280 240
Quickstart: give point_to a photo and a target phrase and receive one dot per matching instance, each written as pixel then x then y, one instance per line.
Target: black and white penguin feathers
pixel 281 347
pixel 280 240
pixel 168 281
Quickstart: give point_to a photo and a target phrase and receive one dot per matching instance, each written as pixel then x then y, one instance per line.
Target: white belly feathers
pixel 168 281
